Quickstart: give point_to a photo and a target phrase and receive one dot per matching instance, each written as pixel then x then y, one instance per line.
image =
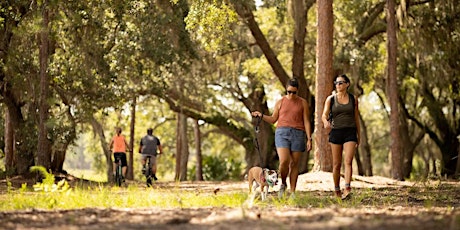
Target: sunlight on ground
pixel 88 175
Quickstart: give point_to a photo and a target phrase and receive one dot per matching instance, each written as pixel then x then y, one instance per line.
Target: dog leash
pixel 256 141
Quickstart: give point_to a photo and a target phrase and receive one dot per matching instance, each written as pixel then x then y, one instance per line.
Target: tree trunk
pixel 178 148
pixel 99 130
pixel 457 172
pixel 9 144
pixel 410 143
pixel 393 94
pixel 365 149
pixel 299 12
pixel 58 159
pixel 299 15
pixel 245 13
pixel 199 163
pixel 184 147
pixel 130 171
pixel 324 79
pixel 44 144
pixel 23 145
pixel 359 163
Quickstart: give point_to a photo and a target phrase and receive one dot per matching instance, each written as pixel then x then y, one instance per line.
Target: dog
pixel 262 177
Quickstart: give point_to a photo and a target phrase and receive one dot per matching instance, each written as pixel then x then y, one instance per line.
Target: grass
pixel 61 196
pixel 114 197
pixel 50 195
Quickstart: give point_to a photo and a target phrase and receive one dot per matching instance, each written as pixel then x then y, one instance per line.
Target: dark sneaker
pixel 155 177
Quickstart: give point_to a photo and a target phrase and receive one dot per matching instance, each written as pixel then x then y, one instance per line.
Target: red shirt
pixel 291 113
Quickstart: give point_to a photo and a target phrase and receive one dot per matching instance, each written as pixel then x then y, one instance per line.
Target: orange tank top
pixel 291 113
pixel 119 144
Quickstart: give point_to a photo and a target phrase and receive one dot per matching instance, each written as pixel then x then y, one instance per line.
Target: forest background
pixel 72 71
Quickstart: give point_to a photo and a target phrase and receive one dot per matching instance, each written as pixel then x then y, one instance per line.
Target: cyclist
pixel 119 146
pixel 150 146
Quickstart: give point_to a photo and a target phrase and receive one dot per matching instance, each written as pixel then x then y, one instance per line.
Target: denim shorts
pixel 293 139
pixel 341 136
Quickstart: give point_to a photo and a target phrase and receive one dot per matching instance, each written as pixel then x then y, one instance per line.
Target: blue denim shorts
pixel 293 139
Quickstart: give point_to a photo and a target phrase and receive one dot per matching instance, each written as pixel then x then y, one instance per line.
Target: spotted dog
pixel 263 178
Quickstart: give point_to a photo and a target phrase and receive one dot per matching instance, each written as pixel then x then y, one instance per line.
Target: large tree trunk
pixel 130 172
pixel 199 161
pixel 24 145
pixel 44 144
pixel 393 94
pixel 58 159
pixel 324 78
pixel 244 11
pixel 410 143
pixel 299 14
pixel 184 147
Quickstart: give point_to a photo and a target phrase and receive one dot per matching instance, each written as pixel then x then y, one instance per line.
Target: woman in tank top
pixel 344 135
pixel 292 135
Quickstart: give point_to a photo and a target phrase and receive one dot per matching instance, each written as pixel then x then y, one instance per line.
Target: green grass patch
pixel 50 194
pixel 115 197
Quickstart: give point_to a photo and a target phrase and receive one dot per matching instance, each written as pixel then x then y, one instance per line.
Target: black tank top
pixel 343 114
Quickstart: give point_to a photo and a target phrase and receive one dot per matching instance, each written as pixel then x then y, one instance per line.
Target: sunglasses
pixel 291 92
pixel 339 82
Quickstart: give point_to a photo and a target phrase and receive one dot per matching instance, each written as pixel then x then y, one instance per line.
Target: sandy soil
pixel 407 210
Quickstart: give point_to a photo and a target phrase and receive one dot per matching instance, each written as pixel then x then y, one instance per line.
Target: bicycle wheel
pixel 148 173
pixel 118 175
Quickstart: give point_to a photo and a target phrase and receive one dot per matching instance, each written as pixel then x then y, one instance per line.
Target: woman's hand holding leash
pixel 257 114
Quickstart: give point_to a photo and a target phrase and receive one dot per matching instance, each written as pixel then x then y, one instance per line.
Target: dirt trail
pixel 407 210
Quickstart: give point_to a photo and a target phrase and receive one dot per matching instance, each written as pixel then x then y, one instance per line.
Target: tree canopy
pixel 215 61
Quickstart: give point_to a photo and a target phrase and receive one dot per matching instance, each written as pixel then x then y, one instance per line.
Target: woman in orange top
pixel 293 126
pixel 118 145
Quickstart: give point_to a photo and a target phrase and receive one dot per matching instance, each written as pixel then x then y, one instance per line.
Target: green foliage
pixel 47 185
pixel 212 23
pixel 220 169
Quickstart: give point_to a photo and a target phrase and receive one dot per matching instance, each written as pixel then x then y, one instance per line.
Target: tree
pixel 44 144
pixel 198 153
pixel 324 73
pixel 396 154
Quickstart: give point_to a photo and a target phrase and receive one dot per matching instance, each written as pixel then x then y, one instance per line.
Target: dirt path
pixel 407 210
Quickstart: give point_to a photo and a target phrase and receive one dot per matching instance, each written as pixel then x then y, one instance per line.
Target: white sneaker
pixel 281 191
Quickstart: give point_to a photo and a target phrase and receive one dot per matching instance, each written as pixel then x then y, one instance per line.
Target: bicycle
pixel 148 171
pixel 118 172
